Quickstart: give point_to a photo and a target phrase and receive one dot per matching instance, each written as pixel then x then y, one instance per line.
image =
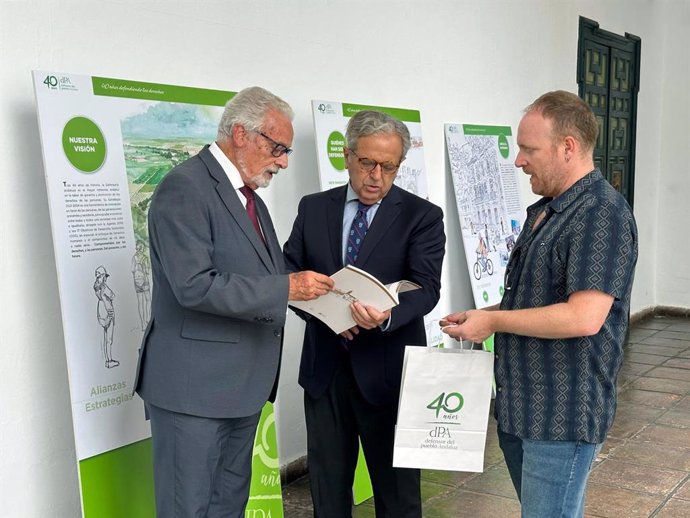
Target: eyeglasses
pixel 368 165
pixel 278 149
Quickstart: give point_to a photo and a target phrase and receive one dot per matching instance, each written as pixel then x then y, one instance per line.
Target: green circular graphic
pixel 265 445
pixel 84 144
pixel 503 147
pixel 501 290
pixel 336 143
pixel 485 296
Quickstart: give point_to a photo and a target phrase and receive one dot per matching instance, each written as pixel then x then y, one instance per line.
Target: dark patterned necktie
pixel 251 209
pixel 357 232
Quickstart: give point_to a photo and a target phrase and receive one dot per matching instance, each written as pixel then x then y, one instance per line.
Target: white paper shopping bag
pixel 444 409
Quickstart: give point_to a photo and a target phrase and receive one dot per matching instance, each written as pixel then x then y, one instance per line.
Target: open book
pixel 352 284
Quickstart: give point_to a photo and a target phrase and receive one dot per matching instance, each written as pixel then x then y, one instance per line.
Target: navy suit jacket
pixel 405 241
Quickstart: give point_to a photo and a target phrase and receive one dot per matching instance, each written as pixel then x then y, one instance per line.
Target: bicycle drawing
pixel 482 264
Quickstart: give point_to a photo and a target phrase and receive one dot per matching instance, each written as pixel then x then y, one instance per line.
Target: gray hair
pixel 249 109
pixel 369 122
pixel 569 115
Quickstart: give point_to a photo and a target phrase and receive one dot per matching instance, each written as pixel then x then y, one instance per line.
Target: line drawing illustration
pixel 105 313
pixel 141 273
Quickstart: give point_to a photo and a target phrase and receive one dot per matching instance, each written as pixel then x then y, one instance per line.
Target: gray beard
pixel 261 180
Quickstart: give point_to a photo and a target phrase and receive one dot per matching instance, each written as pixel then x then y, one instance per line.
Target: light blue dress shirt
pixel 351 204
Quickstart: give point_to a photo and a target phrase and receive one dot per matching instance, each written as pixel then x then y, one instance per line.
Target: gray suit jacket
pixel 213 345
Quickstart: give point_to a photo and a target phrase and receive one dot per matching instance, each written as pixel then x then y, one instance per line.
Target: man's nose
pixel 519 160
pixel 282 161
pixel 377 171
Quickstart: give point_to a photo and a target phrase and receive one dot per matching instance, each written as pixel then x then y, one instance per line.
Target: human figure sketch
pixel 141 266
pixel 487 241
pixel 105 312
pixel 482 248
pixel 483 263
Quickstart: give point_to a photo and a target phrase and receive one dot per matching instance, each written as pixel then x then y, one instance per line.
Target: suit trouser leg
pixel 332 449
pixel 335 422
pixel 202 466
pixel 396 490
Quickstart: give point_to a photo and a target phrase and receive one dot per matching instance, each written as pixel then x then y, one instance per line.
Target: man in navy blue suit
pixel 352 380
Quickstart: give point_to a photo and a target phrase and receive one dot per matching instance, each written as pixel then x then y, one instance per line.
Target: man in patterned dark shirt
pixel 562 322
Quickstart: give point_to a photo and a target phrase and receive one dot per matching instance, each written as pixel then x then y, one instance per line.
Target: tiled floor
pixel 642 471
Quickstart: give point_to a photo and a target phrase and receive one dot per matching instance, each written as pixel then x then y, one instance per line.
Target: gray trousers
pixel 201 466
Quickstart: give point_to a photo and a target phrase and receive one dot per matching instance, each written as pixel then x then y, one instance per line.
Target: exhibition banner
pixel 107 143
pixel 485 181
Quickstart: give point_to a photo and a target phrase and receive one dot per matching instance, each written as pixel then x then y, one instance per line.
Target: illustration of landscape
pixel 155 141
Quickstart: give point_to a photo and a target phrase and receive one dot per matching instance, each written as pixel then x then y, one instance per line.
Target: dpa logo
pixel 59 83
pixel 325 108
pixel 450 403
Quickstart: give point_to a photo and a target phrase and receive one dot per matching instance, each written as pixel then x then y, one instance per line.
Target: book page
pixel 352 285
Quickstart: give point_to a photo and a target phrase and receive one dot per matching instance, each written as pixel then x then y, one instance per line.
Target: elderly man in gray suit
pixel 211 352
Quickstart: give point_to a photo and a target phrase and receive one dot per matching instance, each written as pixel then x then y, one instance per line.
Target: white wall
pixel 459 61
pixel 673 276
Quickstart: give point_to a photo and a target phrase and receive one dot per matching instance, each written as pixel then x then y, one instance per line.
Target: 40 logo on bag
pixel 450 404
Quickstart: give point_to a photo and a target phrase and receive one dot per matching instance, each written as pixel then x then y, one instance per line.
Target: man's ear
pixel 239 135
pixel 571 145
pixel 346 152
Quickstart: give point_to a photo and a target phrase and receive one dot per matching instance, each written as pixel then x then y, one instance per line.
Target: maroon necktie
pixel 251 209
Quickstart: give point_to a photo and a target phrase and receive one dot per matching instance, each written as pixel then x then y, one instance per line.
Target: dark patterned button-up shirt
pixel 565 389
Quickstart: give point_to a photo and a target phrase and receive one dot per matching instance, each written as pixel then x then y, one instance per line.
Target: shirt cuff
pixel 386 325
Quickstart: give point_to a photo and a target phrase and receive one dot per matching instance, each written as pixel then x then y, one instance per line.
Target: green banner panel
pixel 119 483
pixel 473 129
pixel 159 92
pixel 265 494
pixel 489 344
pixel 362 490
pixel 399 113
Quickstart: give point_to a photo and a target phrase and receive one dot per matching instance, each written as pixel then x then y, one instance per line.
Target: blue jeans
pixel 550 477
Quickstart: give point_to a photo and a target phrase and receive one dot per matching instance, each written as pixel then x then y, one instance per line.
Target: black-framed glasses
pixel 368 165
pixel 278 149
